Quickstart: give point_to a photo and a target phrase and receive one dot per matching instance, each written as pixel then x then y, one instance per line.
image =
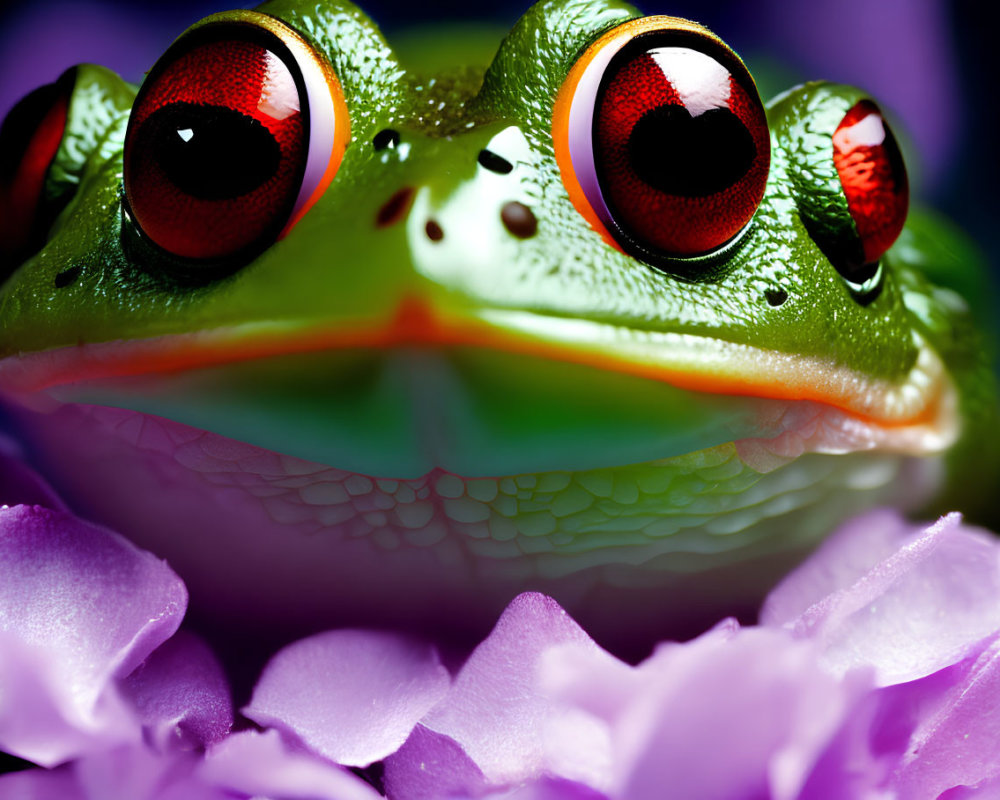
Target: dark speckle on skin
pixel 775 297
pixel 494 163
pixel 395 208
pixel 519 220
pixel 386 138
pixel 67 277
pixel 433 230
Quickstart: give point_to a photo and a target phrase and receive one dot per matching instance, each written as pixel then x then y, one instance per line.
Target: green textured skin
pixel 325 271
pixel 116 300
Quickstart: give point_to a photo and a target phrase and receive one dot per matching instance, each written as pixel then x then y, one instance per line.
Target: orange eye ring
pixel 235 134
pixel 661 140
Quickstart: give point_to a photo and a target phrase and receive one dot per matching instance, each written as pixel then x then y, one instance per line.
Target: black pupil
pixel 690 156
pixel 897 167
pixel 211 152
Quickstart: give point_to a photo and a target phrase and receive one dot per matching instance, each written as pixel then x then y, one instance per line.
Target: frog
pixel 356 336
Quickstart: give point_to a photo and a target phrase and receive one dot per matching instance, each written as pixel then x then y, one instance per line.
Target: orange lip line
pixel 413 324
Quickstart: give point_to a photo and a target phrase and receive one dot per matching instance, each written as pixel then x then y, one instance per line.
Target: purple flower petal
pixel 257 764
pixel 79 607
pixel 908 602
pixel 180 692
pixel 245 765
pixel 496 709
pixel 843 559
pixel 989 790
pixel 41 784
pixel 859 762
pixel 431 765
pixel 353 696
pixel 139 773
pixel 958 742
pixel 130 772
pixel 40 717
pixel 543 789
pixel 731 714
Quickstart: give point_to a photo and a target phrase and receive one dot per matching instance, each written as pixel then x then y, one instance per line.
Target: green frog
pixel 355 337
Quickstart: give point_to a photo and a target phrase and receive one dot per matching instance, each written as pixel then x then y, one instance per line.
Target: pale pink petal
pixel 430 766
pixel 41 784
pixel 843 559
pixel 79 607
pixel 957 741
pixel 140 773
pixel 907 609
pixel 544 789
pixel 496 709
pixel 41 718
pixel 748 717
pixel 181 694
pixel 262 765
pixel 353 696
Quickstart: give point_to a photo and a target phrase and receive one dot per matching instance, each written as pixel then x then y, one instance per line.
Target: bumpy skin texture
pixel 563 271
pixel 565 356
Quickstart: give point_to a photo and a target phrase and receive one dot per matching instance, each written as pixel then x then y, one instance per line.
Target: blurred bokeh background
pixel 930 64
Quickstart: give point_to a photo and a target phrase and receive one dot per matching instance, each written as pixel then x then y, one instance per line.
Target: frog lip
pixel 920 410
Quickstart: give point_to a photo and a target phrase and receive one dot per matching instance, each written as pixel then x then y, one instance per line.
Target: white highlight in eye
pixel 187 134
pixel 279 96
pixel 700 80
pixel 867 132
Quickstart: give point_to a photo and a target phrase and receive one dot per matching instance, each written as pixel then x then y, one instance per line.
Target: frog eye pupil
pixel 212 152
pixel 678 154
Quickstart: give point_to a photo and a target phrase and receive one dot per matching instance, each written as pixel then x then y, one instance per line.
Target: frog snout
pixel 519 220
pixel 469 233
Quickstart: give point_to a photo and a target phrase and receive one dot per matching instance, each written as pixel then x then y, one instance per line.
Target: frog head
pixel 584 314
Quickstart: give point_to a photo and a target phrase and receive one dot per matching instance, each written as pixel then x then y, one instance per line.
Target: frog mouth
pixel 496 392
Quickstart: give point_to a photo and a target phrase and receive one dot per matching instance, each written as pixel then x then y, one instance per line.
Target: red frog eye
pixel 873 177
pixel 662 140
pixel 29 140
pixel 237 131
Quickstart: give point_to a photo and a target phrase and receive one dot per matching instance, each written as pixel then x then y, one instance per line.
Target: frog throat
pixel 675 515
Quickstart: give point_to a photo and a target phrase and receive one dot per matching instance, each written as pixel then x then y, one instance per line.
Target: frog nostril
pixel 519 220
pixel 395 208
pixel 775 297
pixel 434 231
pixel 494 163
pixel 385 138
pixel 67 277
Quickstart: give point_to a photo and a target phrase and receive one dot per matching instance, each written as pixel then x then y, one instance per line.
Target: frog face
pixel 583 315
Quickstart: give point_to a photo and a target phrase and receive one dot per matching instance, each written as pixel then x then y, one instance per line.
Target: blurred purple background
pixel 922 59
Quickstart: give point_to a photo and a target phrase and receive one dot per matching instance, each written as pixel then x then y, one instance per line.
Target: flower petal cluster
pixel 97 685
pixel 874 673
